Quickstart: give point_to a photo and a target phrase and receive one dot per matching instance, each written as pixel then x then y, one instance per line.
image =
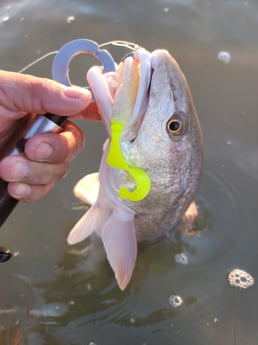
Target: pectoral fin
pixel 91 221
pixel 87 188
pixel 120 244
pixel 190 215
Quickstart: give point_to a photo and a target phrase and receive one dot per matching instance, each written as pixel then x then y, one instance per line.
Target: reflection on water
pixel 55 294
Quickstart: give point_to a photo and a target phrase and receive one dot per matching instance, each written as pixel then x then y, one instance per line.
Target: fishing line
pixel 126 44
pixel 34 62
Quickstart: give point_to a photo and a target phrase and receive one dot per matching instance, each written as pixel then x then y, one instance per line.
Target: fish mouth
pixel 132 97
pixel 130 104
pixel 143 58
pixel 124 94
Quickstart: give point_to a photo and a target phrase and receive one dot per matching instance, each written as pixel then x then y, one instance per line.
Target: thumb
pixel 21 94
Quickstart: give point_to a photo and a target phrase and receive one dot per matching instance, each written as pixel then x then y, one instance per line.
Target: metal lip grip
pixel 62 60
pixel 50 122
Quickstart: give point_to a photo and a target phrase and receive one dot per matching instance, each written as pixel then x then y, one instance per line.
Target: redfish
pixel 151 163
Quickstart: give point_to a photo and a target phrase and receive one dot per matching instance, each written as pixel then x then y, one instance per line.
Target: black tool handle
pixel 7 203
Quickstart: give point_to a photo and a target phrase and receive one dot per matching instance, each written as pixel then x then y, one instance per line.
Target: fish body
pixel 161 137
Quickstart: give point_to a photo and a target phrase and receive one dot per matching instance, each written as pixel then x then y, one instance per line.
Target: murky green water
pixel 55 294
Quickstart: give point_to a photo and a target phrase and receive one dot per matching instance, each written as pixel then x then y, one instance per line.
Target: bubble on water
pixel 175 300
pixel 166 9
pixel 181 259
pixel 240 278
pixel 224 56
pixel 88 286
pixel 5 19
pixel 132 320
pixel 70 19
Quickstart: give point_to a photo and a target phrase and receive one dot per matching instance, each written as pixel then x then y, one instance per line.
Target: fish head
pixel 170 115
pixel 160 134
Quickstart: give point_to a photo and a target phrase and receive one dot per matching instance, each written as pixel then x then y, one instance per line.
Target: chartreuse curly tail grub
pixel 116 160
pixel 122 114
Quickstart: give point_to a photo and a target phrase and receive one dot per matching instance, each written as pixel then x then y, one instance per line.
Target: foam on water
pixel 240 278
pixel 224 56
pixel 181 258
pixel 175 300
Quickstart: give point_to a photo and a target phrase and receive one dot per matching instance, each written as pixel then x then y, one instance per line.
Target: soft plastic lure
pixel 116 160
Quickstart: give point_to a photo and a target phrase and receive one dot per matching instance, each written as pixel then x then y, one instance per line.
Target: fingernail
pixel 22 190
pixel 76 92
pixel 17 171
pixel 43 151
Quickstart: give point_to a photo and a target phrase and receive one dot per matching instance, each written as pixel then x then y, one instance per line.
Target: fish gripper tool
pixel 49 122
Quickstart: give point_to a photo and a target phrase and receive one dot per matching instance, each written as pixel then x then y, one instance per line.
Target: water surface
pixel 55 294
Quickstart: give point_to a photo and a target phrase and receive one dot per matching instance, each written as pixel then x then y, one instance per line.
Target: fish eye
pixel 176 124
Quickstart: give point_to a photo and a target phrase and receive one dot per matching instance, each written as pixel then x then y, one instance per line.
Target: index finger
pixel 29 94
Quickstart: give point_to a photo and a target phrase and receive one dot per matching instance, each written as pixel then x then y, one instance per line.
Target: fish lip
pixel 137 124
pixel 143 58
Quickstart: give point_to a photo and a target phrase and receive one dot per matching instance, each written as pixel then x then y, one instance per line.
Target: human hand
pixel 46 156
